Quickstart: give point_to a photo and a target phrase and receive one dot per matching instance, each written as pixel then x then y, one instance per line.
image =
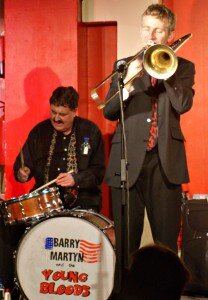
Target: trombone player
pixel 156 156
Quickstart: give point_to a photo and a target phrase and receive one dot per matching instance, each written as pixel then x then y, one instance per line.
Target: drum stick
pixel 22 157
pixel 49 183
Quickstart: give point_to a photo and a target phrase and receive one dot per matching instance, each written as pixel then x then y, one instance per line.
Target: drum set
pixel 63 254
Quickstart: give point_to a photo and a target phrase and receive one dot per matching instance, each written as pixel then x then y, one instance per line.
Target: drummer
pixel 66 148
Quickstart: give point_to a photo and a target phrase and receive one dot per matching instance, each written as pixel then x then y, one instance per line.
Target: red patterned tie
pixel 152 141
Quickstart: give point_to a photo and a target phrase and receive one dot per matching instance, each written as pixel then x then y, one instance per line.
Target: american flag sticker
pixel 49 243
pixel 91 251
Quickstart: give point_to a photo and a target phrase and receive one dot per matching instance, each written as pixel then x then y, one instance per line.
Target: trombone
pixel 159 61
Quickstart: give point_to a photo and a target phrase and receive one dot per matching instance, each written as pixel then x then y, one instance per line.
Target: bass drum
pixel 67 256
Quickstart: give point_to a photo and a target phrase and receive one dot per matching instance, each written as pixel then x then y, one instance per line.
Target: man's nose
pixel 152 35
pixel 56 117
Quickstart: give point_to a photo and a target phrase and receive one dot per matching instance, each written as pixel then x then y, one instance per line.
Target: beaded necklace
pixel 70 195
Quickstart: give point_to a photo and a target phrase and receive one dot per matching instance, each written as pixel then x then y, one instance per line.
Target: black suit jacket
pixel 175 97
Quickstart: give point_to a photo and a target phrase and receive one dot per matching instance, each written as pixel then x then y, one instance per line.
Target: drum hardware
pixel 21 209
pixel 79 212
pixel 30 208
pixel 40 204
pixel 108 227
pixel 103 223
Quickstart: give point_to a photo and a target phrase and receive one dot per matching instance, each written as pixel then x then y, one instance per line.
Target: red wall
pixel 41 54
pixel 192 16
pixel 44 48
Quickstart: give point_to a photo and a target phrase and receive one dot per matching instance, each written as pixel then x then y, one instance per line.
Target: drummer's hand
pixel 65 179
pixel 23 174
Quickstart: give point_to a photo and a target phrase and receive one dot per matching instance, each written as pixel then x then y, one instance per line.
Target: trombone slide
pixel 159 61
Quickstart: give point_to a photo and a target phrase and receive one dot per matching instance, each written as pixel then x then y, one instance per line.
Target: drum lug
pixel 16 283
pixel 108 227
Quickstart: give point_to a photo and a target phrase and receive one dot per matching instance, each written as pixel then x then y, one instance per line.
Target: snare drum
pixel 67 256
pixel 31 207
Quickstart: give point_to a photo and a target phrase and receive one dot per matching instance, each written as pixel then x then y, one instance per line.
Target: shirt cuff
pixel 125 94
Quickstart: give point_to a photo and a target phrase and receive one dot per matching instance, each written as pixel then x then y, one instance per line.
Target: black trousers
pixel 162 201
pixel 10 235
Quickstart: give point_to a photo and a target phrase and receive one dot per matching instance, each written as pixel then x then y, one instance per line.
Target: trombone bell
pixel 160 61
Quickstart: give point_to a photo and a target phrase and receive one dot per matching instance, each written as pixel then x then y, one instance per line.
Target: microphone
pixel 121 66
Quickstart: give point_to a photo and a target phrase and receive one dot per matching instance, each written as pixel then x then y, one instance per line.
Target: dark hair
pixel 65 96
pixel 156 273
pixel 161 12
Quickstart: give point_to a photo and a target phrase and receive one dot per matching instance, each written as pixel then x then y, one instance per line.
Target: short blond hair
pixel 161 12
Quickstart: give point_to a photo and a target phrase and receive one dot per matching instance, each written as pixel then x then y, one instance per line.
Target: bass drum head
pixel 65 257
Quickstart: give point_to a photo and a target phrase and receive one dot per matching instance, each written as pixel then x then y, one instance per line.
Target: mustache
pixel 57 122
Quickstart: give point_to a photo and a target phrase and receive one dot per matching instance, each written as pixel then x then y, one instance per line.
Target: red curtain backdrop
pixel 97 53
pixel 192 17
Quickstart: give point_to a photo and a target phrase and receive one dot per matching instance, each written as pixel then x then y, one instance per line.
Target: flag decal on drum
pixel 49 243
pixel 91 251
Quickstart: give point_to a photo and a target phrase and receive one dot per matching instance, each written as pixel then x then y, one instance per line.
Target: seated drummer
pixel 61 144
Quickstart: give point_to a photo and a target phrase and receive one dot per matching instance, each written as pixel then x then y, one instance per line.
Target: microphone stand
pixel 124 180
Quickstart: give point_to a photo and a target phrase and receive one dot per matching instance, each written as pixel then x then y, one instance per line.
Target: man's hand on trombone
pixel 133 71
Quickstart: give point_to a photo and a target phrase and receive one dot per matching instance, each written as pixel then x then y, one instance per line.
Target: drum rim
pixel 64 213
pixel 94 213
pixel 44 191
pixel 31 195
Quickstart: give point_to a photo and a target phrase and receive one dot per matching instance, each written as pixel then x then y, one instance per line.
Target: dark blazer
pixel 175 97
